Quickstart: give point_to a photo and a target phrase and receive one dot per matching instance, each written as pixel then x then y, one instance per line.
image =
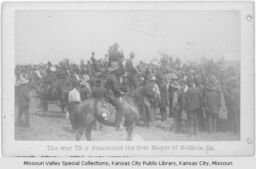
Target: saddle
pixel 104 110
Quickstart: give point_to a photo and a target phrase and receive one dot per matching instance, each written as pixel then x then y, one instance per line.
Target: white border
pixel 10 147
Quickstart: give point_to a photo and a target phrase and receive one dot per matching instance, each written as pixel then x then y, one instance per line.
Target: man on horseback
pixel 131 72
pixel 115 55
pixel 50 80
pixel 85 89
pixel 114 93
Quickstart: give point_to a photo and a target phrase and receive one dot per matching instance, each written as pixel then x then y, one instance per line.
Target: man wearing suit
pixel 193 106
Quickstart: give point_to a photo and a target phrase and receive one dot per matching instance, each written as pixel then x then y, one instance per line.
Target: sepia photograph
pixel 136 75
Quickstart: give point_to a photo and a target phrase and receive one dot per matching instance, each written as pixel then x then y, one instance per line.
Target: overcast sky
pixel 43 36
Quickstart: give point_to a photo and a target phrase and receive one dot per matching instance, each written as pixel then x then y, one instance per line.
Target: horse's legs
pixel 89 130
pixel 73 120
pixel 62 106
pixel 45 107
pixel 79 134
pixel 129 130
pixel 144 114
pixel 147 117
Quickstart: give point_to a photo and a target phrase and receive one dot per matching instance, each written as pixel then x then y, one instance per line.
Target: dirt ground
pixel 54 126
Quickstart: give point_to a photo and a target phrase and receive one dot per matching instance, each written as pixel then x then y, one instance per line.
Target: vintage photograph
pixel 147 75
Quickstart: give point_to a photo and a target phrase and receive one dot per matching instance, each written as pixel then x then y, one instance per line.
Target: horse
pixel 145 98
pixel 53 92
pixel 89 111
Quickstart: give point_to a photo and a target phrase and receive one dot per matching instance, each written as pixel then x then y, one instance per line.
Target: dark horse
pixel 57 91
pixel 144 98
pixel 91 110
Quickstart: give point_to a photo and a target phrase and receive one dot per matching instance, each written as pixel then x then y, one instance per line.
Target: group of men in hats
pixel 109 91
pixel 181 95
pixel 188 97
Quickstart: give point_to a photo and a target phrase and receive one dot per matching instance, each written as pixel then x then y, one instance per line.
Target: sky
pixel 53 35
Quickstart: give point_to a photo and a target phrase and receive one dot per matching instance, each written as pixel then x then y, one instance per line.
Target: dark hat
pixel 49 63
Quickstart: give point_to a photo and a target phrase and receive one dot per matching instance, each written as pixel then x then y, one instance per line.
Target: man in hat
pixel 51 78
pixel 193 105
pixel 94 62
pixel 85 81
pixel 89 68
pixel 115 93
pixel 163 98
pixel 176 106
pixel 172 79
pixel 85 89
pixel 114 54
pixel 106 61
pixel 232 101
pixel 201 113
pixel 155 89
pixel 74 99
pixel 48 69
pixel 99 91
pixel 212 106
pixel 51 71
pixel 24 88
pixel 131 72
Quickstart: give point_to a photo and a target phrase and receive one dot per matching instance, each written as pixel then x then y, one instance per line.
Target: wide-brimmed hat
pixel 175 85
pixel 82 82
pixel 22 81
pixel 113 67
pixel 85 78
pixel 170 76
pixel 53 69
pixel 152 78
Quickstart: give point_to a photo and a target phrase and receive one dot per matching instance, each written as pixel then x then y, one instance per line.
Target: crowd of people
pixel 196 90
